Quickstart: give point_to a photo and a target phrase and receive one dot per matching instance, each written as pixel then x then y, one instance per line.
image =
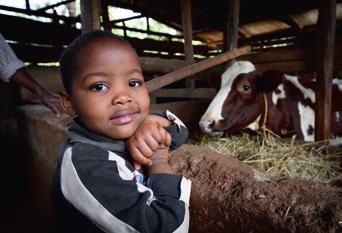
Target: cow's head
pixel 240 101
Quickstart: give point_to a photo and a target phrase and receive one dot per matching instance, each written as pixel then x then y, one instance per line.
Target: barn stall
pixel 227 195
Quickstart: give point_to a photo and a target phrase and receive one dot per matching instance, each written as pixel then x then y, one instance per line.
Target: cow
pixel 281 103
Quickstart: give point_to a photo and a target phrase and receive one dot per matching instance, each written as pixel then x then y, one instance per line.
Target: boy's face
pixel 108 92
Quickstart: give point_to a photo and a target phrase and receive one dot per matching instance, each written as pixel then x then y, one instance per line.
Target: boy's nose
pixel 121 100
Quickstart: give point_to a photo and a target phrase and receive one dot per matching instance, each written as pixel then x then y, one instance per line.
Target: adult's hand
pixel 52 101
pixel 24 79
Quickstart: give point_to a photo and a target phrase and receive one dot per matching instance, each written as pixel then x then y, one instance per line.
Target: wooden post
pixel 187 32
pixel 325 65
pixel 28 7
pixel 187 29
pixel 231 30
pixel 105 17
pixel 90 15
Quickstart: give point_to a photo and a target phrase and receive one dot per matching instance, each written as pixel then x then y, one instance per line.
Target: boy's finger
pixel 144 149
pixel 139 158
pixel 156 133
pixel 168 139
pixel 151 142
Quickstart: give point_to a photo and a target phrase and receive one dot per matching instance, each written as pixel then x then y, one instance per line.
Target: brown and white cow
pixel 284 104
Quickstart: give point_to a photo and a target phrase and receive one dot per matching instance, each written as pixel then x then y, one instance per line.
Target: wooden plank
pixel 198 93
pixel 90 15
pixel 161 65
pixel 192 69
pixel 287 66
pixel 325 66
pixel 170 47
pixel 37 54
pixel 30 31
pixel 290 59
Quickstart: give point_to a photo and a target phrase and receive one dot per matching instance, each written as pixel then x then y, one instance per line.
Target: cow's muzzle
pixel 207 126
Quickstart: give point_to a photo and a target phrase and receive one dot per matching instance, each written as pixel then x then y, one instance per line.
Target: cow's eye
pixel 246 87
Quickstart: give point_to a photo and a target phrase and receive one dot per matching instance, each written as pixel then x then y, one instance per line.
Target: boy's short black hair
pixel 69 59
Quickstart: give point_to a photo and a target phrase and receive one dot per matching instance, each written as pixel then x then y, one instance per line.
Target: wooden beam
pixel 187 33
pixel 54 5
pixel 198 93
pixel 160 65
pixel 231 30
pixel 30 31
pixel 27 2
pixel 291 59
pixel 187 29
pixel 41 14
pixel 105 17
pixel 126 19
pixel 37 54
pixel 90 15
pixel 192 69
pixel 325 65
pixel 171 47
pixel 144 31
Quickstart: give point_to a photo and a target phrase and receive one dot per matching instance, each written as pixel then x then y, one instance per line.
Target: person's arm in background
pixel 14 70
pixel 23 78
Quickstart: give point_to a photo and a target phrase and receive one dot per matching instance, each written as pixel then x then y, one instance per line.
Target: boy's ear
pixel 66 103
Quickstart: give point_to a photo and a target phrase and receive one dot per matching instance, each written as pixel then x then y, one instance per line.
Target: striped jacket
pixel 96 188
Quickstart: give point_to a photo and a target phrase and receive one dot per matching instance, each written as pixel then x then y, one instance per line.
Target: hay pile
pixel 268 153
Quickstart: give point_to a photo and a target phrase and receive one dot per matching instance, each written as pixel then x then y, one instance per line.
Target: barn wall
pixel 291 59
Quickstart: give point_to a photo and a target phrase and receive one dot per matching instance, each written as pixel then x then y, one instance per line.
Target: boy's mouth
pixel 124 116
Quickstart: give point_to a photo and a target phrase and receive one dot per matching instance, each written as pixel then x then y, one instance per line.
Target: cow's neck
pixel 260 122
pixel 291 115
pixel 277 118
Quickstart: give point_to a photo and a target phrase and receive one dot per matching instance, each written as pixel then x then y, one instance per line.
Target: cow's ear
pixel 268 80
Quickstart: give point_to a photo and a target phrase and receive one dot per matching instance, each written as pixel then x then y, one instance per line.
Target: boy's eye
pixel 99 87
pixel 135 83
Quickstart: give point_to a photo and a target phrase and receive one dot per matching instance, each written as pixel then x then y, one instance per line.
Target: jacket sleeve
pixel 99 184
pixel 179 132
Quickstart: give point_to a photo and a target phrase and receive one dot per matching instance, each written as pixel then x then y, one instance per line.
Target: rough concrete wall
pixel 227 195
pixel 43 133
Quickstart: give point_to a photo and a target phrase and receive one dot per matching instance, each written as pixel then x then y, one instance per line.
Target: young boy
pixel 96 187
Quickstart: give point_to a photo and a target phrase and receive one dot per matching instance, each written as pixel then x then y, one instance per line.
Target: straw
pixel 266 152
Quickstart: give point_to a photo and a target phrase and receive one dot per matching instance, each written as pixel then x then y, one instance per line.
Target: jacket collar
pixel 78 133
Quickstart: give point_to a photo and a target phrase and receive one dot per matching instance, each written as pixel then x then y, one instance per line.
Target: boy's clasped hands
pixel 149 145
